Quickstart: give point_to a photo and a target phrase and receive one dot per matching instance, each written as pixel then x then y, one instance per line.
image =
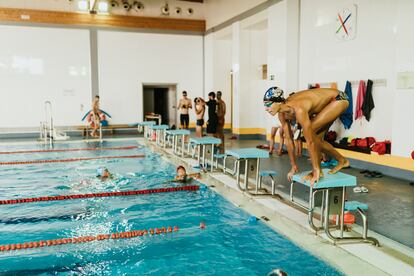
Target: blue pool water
pixel 230 244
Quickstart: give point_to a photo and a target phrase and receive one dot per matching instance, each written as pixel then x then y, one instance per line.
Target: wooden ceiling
pixel 197 1
pixel 96 20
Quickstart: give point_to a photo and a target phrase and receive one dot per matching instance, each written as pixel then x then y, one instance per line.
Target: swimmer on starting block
pixel 315 110
pixel 182 175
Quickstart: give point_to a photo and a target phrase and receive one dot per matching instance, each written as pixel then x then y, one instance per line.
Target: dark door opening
pixel 161 104
pixel 160 100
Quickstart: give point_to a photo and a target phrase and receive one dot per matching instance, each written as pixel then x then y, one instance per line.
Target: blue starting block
pixel 218 156
pixel 272 175
pixel 333 188
pixel 246 155
pixel 160 132
pixel 143 127
pixel 174 134
pixel 201 144
pixel 355 205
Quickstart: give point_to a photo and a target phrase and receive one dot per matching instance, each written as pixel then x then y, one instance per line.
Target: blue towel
pixel 347 117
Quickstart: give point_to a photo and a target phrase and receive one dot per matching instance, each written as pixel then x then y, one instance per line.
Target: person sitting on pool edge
pixel 315 110
pixel 103 174
pixel 182 175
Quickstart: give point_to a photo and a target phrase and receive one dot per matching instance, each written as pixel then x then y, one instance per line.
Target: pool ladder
pixel 46 127
pixel 48 133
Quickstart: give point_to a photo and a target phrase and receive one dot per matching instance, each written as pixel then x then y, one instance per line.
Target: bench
pixel 110 128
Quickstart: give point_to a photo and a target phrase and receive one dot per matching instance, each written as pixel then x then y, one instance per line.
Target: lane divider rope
pixel 68 150
pixel 85 239
pixel 68 160
pixel 94 195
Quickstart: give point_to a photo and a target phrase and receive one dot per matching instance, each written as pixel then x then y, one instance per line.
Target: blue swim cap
pixel 274 94
pixel 100 171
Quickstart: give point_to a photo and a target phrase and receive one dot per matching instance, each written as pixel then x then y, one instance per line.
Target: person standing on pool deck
pixel 96 121
pixel 184 105
pixel 221 113
pixel 212 114
pixel 315 110
pixel 200 108
pixel 276 129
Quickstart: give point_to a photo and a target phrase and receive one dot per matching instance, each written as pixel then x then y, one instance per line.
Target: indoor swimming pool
pixel 232 242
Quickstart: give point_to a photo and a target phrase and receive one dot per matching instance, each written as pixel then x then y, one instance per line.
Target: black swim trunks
pixel 342 96
pixel 184 120
pixel 200 122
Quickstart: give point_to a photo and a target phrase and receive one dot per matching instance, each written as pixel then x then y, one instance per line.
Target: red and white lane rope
pixel 68 150
pixel 85 239
pixel 94 195
pixel 69 160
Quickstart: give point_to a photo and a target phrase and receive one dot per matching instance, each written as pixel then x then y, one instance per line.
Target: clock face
pixel 345 27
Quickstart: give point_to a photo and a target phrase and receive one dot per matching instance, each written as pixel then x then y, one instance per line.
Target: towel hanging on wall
pixel 368 104
pixel 347 117
pixel 360 100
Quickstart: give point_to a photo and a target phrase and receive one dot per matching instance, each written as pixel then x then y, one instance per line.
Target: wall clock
pixel 346 23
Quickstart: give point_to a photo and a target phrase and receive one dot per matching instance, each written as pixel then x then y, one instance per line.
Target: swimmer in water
pixel 103 174
pixel 182 175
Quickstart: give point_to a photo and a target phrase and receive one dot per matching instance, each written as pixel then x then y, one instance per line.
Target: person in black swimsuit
pixel 184 106
pixel 212 114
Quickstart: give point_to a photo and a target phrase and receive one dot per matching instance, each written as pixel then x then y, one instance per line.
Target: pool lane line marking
pixel 69 160
pixel 68 150
pixel 95 195
pixel 85 239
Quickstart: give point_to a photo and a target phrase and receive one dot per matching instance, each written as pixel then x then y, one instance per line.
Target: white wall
pixel 39 64
pixel 370 55
pixel 255 85
pixel 403 111
pixel 219 11
pixel 129 60
pixel 302 48
pixel 373 54
pixel 222 70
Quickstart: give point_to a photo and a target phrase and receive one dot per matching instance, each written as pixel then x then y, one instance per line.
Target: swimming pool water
pixel 230 244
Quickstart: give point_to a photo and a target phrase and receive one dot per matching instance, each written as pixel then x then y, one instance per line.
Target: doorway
pixel 162 100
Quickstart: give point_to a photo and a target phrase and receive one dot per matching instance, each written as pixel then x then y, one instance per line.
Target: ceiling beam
pixel 98 20
pixel 197 1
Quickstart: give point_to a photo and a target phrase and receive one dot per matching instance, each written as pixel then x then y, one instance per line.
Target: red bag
pixel 366 142
pixel 331 136
pixel 382 147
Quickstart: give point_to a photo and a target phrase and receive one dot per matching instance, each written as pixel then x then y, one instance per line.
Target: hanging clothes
pixel 360 100
pixel 347 117
pixel 368 104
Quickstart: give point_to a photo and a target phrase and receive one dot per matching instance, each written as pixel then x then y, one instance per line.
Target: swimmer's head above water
pixel 182 175
pixel 103 173
pixel 181 171
pixel 273 99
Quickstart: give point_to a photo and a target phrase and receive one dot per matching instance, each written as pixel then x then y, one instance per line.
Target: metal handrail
pixel 49 121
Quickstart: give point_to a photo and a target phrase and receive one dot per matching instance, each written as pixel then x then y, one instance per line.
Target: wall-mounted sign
pixel 346 23
pixel 405 80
